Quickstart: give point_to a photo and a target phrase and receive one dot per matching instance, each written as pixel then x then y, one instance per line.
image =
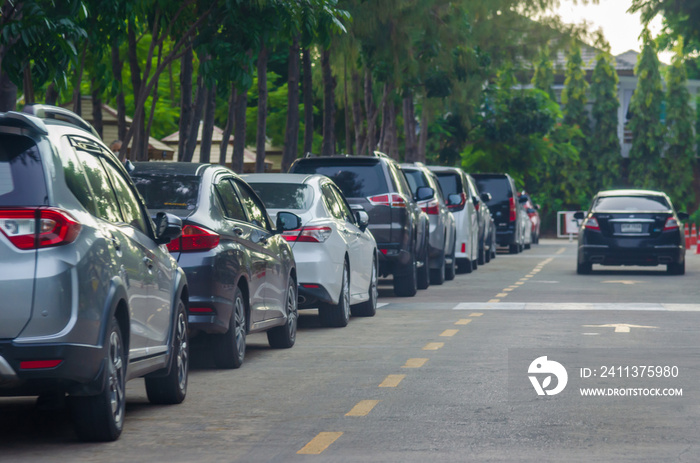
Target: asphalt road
pixel 444 376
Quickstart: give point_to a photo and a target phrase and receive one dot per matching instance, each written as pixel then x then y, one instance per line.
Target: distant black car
pixel 631 227
pixel 377 185
pixel 242 271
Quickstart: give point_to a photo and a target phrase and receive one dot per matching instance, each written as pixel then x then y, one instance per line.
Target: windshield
pixel 285 195
pixel 21 172
pixel 167 191
pixel 498 187
pixel 355 181
pixel 631 204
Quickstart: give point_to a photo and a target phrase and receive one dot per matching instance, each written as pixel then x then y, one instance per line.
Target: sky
pixel 620 28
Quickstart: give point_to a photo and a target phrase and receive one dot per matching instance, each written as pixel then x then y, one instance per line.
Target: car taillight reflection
pixel 431 207
pixel 592 224
pixel 513 211
pixel 194 238
pixel 34 228
pixel 671 224
pixel 308 235
pixel 459 206
pixel 391 200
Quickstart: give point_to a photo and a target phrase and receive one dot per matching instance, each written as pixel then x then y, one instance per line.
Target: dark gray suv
pixel 90 295
pixel 376 184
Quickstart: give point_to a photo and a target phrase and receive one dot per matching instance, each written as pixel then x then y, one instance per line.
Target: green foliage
pixel 605 144
pixel 645 123
pixel 543 78
pixel 575 87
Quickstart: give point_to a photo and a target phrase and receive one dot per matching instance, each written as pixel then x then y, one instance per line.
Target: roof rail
pixel 309 154
pixel 61 114
pixel 23 121
pixel 379 154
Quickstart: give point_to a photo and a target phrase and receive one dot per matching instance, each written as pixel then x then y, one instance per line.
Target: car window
pixel 22 180
pixel 437 188
pixel 498 187
pixel 297 196
pixel 354 180
pixel 332 202
pixel 631 203
pixel 415 179
pixel 233 208
pixel 345 209
pixel 168 191
pixel 75 178
pixel 400 181
pixel 450 183
pixel 473 190
pixel 105 200
pixel 128 202
pixel 253 205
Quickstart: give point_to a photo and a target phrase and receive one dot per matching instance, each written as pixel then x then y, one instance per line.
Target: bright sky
pixel 621 29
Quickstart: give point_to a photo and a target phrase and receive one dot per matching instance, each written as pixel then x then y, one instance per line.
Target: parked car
pixel 336 254
pixel 534 215
pixel 241 271
pixel 90 299
pixel 442 235
pixel 504 205
pixel 472 221
pixel 400 227
pixel 631 227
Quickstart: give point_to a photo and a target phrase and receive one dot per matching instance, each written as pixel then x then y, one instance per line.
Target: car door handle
pixel 238 231
pixel 115 242
pixel 148 261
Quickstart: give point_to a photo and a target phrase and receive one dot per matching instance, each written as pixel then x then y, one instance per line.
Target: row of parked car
pixel 110 269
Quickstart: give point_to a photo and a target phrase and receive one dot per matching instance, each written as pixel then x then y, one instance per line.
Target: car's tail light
pixel 194 238
pixel 459 206
pixel 35 228
pixel 464 247
pixel 671 224
pixel 308 235
pixel 591 224
pixel 513 211
pixel 39 364
pixel 431 207
pixel 390 199
pixel 201 310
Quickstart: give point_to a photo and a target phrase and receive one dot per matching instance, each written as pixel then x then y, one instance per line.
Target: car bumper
pixel 505 236
pixel 80 371
pixel 651 255
pixel 391 258
pixel 319 271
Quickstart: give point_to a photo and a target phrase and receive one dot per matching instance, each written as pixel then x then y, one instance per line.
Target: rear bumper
pixel 505 236
pixel 392 258
pixel 80 372
pixel 646 256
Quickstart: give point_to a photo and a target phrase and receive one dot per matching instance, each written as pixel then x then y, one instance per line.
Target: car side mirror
pixel 168 227
pixel 287 221
pixel 579 215
pixel 362 218
pixel 424 192
pixel 683 216
pixel 523 199
pixel 486 197
pixel 454 198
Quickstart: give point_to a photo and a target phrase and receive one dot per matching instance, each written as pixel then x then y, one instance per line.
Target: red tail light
pixel 39 364
pixel 194 239
pixel 592 224
pixel 671 224
pixel 201 310
pixel 38 228
pixel 308 235
pixel 391 200
pixel 460 205
pixel 513 212
pixel 431 207
pixel 464 247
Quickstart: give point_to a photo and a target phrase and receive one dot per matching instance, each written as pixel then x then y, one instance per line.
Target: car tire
pixel 284 337
pixel 405 282
pixel 475 264
pixel 451 264
pixel 172 388
pixel 677 268
pixel 464 266
pixel 514 248
pixel 527 246
pixel 230 346
pixel 423 277
pixel 100 418
pixel 584 268
pixel 369 307
pixel 482 254
pixel 487 255
pixel 338 315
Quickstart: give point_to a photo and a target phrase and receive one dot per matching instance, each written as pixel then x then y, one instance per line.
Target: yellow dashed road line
pixel 434 346
pixel 476 314
pixel 392 380
pixel 414 363
pixel 463 321
pixel 362 408
pixel 449 333
pixel 320 443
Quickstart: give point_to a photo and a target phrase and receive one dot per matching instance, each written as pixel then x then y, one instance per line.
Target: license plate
pixel 631 228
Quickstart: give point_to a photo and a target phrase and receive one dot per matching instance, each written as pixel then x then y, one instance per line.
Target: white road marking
pixel 381 304
pixel 619 327
pixel 548 306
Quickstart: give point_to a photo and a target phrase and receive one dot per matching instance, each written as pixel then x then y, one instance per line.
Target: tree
pixel 645 121
pixel 605 143
pixel 676 177
pixel 543 77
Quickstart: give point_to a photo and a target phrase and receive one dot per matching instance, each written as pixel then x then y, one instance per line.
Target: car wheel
pixel 284 337
pixel 369 307
pixel 475 264
pixel 464 266
pixel 451 264
pixel 487 255
pixel 527 246
pixel 584 268
pixel 338 315
pixel 437 275
pixel 172 389
pixel 423 281
pixel 482 254
pixel 676 268
pixel 405 282
pixel 101 417
pixel 514 248
pixel 230 346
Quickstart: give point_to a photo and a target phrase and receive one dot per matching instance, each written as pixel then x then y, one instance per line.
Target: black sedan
pixel 631 227
pixel 241 271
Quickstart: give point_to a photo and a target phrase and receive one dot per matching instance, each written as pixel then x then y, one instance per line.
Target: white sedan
pixel 335 253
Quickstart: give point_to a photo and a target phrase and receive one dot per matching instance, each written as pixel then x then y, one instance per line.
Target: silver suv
pixel 90 295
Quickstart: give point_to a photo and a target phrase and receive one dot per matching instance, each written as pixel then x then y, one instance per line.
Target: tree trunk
pixel 357 112
pixel 193 133
pixel 409 124
pixel 239 131
pixel 307 90
pixel 383 142
pixel 389 142
pixel 262 110
pixel 327 148
pixel 348 132
pixel 228 129
pixel 97 108
pixel 291 134
pixel 28 85
pixel 186 71
pixel 77 103
pixel 208 126
pixel 117 65
pixel 423 138
pixel 51 94
pixel 8 93
pixel 372 112
pixel 140 113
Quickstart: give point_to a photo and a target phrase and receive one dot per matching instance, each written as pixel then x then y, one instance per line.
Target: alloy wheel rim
pixel 346 294
pixel 116 378
pixel 182 352
pixel 291 311
pixel 239 326
pixel 373 292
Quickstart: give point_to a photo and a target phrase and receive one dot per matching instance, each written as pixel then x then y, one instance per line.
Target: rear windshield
pixel 450 184
pixel 498 187
pixel 631 204
pixel 168 192
pixel 415 179
pixel 355 181
pixel 21 173
pixel 285 195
